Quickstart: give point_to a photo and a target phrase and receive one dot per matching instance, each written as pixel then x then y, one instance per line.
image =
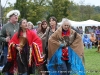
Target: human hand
pixel 62 45
pixel 7 39
pixel 18 48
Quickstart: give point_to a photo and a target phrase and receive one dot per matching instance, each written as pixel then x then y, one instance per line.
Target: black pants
pixel 45 68
pixel 68 67
pixel 8 73
pixel 44 65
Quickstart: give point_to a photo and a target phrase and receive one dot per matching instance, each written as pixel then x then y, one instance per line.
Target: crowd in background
pixel 90 36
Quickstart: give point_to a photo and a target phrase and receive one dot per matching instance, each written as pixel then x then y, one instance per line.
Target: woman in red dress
pixel 25 50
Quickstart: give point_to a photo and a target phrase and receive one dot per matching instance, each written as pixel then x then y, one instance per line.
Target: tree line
pixel 35 10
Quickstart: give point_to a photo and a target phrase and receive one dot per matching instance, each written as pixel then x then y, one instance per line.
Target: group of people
pixel 92 39
pixel 54 50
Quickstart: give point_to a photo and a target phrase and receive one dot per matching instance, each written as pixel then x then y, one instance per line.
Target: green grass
pixel 92 61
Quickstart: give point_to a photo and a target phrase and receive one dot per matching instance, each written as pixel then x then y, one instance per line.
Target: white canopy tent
pixel 89 23
pixel 83 23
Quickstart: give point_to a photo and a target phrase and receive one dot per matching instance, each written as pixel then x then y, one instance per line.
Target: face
pixel 52 23
pixel 30 26
pixel 14 18
pixel 44 25
pixel 39 25
pixel 92 34
pixel 65 26
pixel 24 24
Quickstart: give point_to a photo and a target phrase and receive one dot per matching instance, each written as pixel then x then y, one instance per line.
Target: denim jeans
pixel 5 59
pixel 65 68
pixel 88 45
pixel 5 54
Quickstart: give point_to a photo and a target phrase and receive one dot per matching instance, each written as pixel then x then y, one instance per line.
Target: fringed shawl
pixel 56 66
pixel 53 43
pixel 75 52
pixel 35 44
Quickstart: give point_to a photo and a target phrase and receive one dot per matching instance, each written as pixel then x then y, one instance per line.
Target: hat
pixel 13 12
pixel 39 22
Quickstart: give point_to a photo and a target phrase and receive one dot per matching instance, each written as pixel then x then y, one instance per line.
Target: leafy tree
pixel 96 17
pixel 32 10
pixel 88 12
pixel 59 8
pixel 97 9
pixel 22 6
pixel 80 12
pixel 74 11
pixel 5 11
pixel 35 10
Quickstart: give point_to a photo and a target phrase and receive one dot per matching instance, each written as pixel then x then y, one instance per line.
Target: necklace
pixel 14 30
pixel 14 26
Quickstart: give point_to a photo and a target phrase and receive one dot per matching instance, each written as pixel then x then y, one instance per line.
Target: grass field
pixel 92 62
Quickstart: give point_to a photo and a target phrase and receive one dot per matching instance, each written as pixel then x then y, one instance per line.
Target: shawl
pixel 53 43
pixel 56 66
pixel 75 54
pixel 35 44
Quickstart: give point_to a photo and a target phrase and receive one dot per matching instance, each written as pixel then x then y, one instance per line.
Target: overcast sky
pixel 3 2
pixel 86 2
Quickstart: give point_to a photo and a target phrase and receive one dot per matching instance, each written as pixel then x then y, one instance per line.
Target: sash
pixel 38 57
